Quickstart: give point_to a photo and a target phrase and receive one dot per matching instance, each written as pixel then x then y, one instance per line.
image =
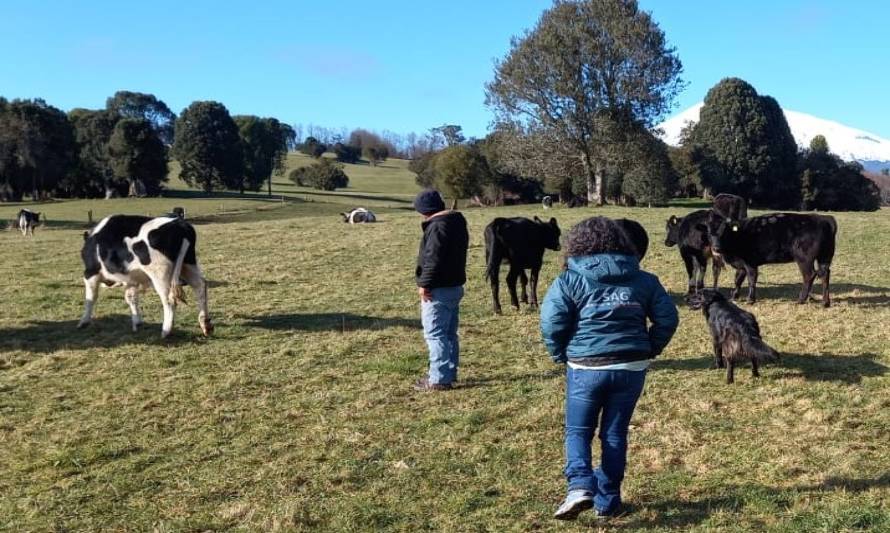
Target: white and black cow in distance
pixel 140 252
pixel 27 220
pixel 359 215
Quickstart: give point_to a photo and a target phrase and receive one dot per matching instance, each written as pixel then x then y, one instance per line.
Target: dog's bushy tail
pixel 755 348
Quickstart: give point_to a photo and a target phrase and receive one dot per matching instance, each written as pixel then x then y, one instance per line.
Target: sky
pixel 411 65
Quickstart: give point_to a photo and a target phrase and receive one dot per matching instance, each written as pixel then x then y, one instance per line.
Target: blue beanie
pixel 429 201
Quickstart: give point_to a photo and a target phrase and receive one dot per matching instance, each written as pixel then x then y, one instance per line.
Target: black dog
pixel 734 331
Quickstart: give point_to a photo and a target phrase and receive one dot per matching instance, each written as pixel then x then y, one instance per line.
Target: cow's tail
pixel 755 348
pixel 176 293
pixel 491 262
pixel 826 250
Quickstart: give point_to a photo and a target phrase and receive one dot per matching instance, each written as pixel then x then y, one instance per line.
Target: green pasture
pixel 298 415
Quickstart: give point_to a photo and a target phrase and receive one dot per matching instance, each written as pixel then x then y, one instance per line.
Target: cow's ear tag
pixel 735 227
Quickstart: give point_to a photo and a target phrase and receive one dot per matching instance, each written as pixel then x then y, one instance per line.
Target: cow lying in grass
pixel 734 332
pixel 138 252
pixel 359 215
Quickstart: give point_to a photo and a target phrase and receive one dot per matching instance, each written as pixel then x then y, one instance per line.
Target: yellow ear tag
pixel 735 228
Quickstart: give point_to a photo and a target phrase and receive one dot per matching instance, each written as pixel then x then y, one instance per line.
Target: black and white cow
pixel 521 243
pixel 808 240
pixel 140 252
pixel 27 220
pixel 690 235
pixel 359 215
pixel 547 202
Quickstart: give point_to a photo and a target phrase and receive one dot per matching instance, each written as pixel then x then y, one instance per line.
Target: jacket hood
pixel 605 267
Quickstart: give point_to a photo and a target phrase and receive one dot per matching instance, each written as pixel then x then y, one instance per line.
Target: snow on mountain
pixel 849 143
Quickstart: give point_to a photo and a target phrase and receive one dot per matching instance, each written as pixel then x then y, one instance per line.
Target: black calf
pixel 690 235
pixel 808 240
pixel 520 242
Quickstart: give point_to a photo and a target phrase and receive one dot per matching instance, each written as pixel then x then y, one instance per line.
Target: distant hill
pixel 850 144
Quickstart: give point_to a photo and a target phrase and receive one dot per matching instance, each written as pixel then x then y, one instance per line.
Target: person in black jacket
pixel 440 275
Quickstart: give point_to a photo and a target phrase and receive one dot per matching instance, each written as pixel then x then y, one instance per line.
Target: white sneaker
pixel 576 501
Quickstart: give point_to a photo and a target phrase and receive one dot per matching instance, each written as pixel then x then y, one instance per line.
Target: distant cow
pixel 637 235
pixel 808 240
pixel 178 212
pixel 27 220
pixel 521 243
pixel 547 202
pixel 690 235
pixel 731 206
pixel 139 252
pixel 359 215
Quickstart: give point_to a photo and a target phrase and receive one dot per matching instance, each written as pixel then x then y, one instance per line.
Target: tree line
pixel 125 148
pixel 576 100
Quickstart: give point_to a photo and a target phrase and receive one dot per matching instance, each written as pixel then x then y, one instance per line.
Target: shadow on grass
pixel 828 367
pixel 342 322
pixel 867 295
pixel 684 514
pixel 812 367
pixel 108 331
pixel 356 196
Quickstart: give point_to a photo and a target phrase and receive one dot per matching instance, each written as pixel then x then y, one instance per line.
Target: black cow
pixel 731 206
pixel 808 240
pixel 637 235
pixel 27 220
pixel 690 235
pixel 520 242
pixel 138 252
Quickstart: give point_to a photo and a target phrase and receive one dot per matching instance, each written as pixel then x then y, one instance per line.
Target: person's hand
pixel 425 293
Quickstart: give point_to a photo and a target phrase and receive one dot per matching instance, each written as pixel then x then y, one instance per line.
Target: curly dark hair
pixel 597 235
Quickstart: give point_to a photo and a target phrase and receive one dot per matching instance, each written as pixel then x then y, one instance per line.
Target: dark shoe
pixel 424 385
pixel 614 513
pixel 575 503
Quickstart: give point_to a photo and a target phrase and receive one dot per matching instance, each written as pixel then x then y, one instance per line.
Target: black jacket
pixel 442 259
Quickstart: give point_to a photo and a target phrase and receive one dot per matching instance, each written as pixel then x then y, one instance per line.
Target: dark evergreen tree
pixel 347 153
pixel 130 104
pixel 743 145
pixel 137 157
pixel 313 147
pixel 264 147
pixel 830 184
pixel 208 147
pixel 37 149
pixel 91 175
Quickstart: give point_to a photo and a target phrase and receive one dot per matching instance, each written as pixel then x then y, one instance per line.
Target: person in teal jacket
pixel 606 319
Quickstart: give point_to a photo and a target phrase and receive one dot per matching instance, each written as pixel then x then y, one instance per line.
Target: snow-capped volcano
pixel 849 143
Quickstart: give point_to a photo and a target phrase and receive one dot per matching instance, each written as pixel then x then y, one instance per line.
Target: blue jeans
pixel 440 319
pixel 607 397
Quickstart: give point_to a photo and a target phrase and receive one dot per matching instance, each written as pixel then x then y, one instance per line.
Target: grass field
pixel 298 413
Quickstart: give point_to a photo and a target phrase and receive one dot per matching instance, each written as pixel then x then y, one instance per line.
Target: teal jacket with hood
pixel 597 310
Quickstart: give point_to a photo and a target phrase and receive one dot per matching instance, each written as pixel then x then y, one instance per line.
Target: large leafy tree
pixel 585 75
pixel 208 147
pixel 460 171
pixel 264 146
pixel 92 175
pixel 650 178
pixel 37 149
pixel 744 146
pixel 130 104
pixel 137 157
